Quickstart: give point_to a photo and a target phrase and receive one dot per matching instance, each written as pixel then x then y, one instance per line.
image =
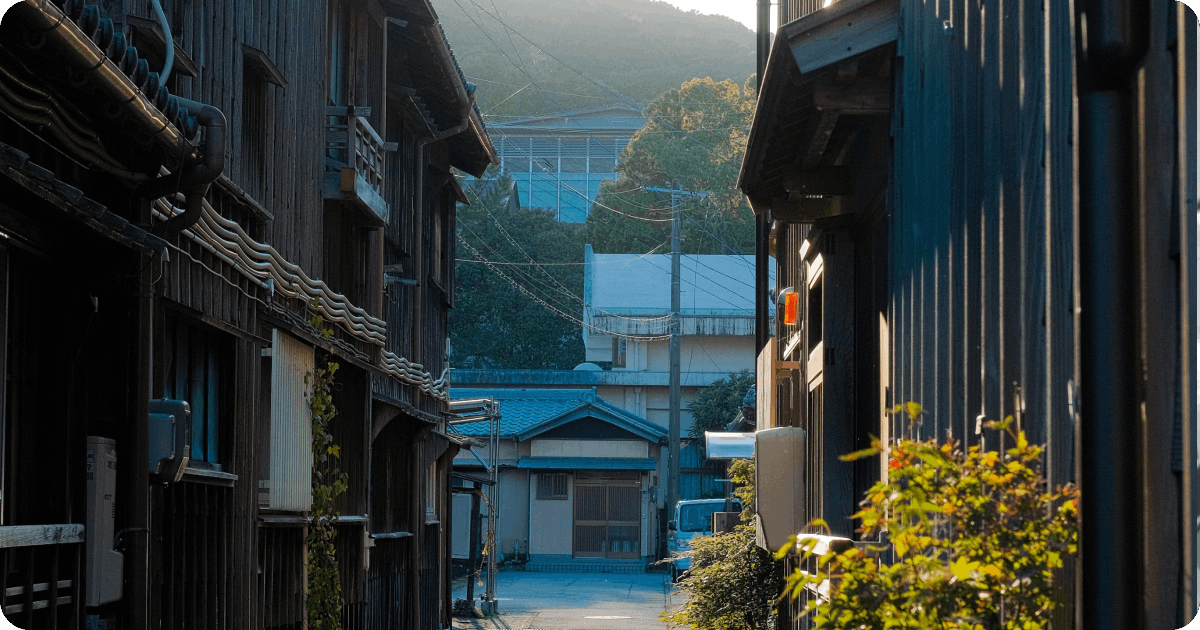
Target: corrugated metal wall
pixel 291 424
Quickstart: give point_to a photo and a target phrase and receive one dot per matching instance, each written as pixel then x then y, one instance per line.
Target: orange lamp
pixel 791 307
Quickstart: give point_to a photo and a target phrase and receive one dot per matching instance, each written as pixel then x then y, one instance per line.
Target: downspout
pixel 194 180
pixel 420 218
pixel 137 487
pixel 1111 41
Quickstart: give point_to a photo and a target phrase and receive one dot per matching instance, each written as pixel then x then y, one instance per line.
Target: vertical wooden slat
pixel 53 581
pixel 27 596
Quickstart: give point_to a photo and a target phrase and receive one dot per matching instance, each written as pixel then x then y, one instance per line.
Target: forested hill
pixel 639 48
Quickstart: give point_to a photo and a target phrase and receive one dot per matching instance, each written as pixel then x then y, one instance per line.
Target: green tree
pixel 714 406
pixel 732 583
pixel 696 136
pixel 519 279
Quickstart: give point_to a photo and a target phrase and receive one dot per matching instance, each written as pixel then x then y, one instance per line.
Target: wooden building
pixel 168 235
pixel 991 210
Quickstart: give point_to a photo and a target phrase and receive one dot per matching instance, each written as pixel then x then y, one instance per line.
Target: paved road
pixel 576 601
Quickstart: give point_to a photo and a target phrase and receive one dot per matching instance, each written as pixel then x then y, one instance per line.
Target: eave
pixel 827 83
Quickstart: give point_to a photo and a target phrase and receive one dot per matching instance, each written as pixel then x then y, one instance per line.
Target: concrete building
pixel 559 161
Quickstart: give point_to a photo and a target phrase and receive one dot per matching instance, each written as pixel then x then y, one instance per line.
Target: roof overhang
pixel 588 463
pixel 826 94
pixel 425 79
pixel 728 445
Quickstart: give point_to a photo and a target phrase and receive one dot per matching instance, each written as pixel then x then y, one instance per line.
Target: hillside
pixel 639 48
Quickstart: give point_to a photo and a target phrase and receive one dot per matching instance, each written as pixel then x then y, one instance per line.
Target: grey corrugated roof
pixel 524 411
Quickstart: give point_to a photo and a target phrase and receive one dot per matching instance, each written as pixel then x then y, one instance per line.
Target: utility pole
pixel 673 436
pixel 762 220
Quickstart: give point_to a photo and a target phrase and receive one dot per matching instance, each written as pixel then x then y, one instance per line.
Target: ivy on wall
pixel 324 602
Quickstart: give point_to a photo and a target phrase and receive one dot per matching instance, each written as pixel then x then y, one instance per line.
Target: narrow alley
pixel 579 601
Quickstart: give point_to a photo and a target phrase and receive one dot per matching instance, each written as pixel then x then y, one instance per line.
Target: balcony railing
pixel 354 161
pixel 39 574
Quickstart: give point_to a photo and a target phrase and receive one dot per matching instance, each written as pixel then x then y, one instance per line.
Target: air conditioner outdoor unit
pixel 104 564
pixel 779 485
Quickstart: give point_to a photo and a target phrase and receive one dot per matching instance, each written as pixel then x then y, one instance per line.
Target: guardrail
pixel 40 571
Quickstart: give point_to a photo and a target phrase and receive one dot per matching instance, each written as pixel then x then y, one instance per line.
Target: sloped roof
pixel 525 413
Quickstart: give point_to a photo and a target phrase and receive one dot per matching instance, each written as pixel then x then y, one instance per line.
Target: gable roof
pixel 526 413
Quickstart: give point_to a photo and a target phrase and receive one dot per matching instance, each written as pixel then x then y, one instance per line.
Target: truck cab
pixel 691 518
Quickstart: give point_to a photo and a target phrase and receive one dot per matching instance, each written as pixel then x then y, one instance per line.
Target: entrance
pixel 608 516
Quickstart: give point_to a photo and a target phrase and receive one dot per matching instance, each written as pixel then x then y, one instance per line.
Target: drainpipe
pixel 1112 40
pixel 420 214
pixel 137 475
pixel 82 53
pixel 193 181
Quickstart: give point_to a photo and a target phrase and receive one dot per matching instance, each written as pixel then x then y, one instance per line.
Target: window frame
pixel 553 486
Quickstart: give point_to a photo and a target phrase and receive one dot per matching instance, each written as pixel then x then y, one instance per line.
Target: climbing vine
pixel 328 482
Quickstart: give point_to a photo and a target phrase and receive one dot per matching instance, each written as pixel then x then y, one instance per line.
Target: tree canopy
pixel 513 310
pixel 714 406
pixel 695 136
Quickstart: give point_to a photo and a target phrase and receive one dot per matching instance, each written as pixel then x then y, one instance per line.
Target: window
pixel 620 346
pixel 431 515
pixel 254 118
pixel 197 370
pixel 552 487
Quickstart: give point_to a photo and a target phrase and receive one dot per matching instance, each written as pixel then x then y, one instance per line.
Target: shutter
pixel 291 424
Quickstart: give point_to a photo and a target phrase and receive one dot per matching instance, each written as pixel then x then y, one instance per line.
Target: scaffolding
pixel 468 412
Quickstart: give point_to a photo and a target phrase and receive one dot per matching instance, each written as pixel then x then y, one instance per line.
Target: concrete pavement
pixel 576 601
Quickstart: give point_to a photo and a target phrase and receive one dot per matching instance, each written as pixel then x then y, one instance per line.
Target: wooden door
pixel 607 521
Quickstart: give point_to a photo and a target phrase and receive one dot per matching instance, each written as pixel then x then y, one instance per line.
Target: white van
pixel 691 518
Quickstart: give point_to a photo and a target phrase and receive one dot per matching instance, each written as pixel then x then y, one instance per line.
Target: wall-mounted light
pixel 789 301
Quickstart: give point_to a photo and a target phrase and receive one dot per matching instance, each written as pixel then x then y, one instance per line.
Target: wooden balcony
pixel 354 162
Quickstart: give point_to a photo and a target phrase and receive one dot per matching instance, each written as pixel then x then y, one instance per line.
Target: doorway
pixel 607 517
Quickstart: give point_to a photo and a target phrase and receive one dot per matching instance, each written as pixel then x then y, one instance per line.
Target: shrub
pixel 732 582
pixel 975 536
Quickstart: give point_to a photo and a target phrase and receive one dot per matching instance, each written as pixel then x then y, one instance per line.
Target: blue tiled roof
pixel 526 412
pixel 588 463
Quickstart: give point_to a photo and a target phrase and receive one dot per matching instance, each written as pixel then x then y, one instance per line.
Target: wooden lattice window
pixel 552 487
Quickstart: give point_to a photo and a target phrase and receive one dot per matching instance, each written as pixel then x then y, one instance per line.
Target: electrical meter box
pixel 105 565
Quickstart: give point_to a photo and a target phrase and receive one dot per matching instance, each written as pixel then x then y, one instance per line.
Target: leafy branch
pixel 324 603
pixel 976 541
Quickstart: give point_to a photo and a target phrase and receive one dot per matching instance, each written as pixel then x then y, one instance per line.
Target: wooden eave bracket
pixel 840 31
pixel 784 369
pixel 262 63
pixel 151 39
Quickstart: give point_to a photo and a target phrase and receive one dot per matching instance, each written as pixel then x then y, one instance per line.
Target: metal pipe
pixel 83 54
pixel 169 55
pixel 1112 40
pixel 137 476
pixel 194 181
pixel 762 220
